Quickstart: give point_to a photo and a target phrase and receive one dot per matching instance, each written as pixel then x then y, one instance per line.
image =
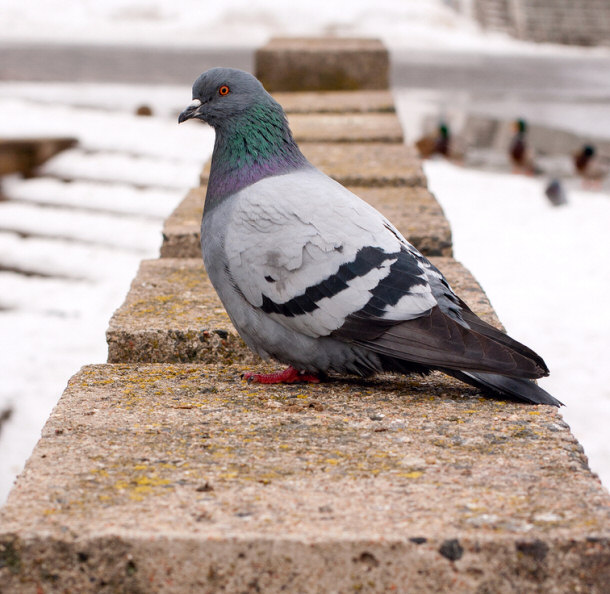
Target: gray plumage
pixel 316 278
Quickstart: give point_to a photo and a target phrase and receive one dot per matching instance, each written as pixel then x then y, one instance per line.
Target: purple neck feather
pixel 257 145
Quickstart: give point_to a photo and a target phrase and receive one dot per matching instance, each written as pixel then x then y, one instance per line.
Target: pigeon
pixel 315 278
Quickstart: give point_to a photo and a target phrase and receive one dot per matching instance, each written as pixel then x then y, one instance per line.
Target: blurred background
pixel 473 80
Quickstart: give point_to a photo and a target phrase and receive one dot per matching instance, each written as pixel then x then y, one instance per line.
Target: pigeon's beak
pixel 190 112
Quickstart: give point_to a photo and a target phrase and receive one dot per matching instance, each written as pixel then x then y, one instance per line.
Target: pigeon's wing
pixel 319 261
pixel 450 336
pixel 308 253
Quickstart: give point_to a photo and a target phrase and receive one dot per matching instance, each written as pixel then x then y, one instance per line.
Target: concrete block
pixel 336 101
pixel 173 315
pixel 181 230
pixel 346 127
pixel 23 155
pixel 362 164
pixel 414 211
pixel 322 64
pixel 184 478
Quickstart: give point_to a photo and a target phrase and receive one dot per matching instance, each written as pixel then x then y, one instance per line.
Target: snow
pixel 402 24
pixel 154 203
pixel 86 227
pixel 106 130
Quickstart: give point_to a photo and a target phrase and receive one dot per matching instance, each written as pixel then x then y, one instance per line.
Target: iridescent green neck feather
pixel 249 147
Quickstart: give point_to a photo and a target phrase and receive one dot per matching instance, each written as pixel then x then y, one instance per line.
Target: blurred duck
pixel 521 156
pixel 441 143
pixel 589 166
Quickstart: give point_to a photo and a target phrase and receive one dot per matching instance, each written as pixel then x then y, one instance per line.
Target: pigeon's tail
pixel 518 388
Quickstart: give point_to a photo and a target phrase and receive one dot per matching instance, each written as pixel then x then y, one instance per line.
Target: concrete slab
pixel 24 155
pixel 336 101
pixel 184 478
pixel 346 127
pixel 414 211
pixel 173 315
pixel 323 63
pixel 370 164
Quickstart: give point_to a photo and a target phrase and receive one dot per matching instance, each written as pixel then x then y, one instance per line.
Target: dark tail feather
pixel 488 330
pixel 521 389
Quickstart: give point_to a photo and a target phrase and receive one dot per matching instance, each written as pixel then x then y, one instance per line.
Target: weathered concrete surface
pixel 336 101
pixel 346 127
pixel 327 64
pixel 173 315
pixel 161 478
pixel 23 155
pixel 361 164
pixel 414 211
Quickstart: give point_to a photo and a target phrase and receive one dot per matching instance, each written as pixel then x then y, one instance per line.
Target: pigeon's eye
pixel 224 90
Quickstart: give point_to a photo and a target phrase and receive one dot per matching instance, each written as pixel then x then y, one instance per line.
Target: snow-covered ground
pixel 402 24
pixel 81 242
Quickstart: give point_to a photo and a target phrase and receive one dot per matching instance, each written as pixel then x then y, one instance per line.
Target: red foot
pixel 289 376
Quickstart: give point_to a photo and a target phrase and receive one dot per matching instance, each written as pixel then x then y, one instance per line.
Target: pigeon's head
pixel 221 94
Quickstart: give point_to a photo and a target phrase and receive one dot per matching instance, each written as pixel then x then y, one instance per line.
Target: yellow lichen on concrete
pixel 192 426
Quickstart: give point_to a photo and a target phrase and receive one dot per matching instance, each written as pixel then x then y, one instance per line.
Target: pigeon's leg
pixel 289 376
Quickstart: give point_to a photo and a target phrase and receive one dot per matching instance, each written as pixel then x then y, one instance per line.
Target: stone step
pixel 354 127
pixel 173 315
pixel 336 101
pixel 413 210
pixel 323 64
pixel 361 164
pixel 346 127
pixel 24 155
pixel 184 478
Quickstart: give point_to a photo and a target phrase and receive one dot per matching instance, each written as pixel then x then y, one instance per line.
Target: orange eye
pixel 224 90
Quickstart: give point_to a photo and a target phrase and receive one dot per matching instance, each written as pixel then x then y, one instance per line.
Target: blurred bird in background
pixel 443 143
pixel 556 193
pixel 520 153
pixel 589 167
